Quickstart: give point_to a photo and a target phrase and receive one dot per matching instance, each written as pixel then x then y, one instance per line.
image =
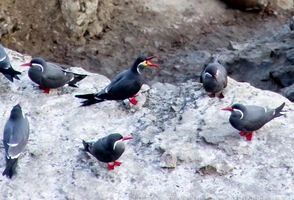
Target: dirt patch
pixel 168 29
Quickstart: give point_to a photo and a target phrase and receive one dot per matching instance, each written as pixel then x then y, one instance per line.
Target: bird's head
pixel 237 110
pixel 142 62
pixel 116 141
pixel 16 112
pixel 211 71
pixel 36 62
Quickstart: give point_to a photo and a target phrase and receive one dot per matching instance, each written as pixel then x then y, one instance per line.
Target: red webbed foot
pixel 133 100
pixel 46 90
pixel 117 163
pixel 110 166
pixel 221 96
pixel 212 95
pixel 249 136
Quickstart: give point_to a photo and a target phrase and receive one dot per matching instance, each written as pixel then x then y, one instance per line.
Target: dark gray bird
pixel 125 85
pixel 5 66
pixel 214 79
pixel 291 24
pixel 251 118
pixel 15 138
pixel 49 75
pixel 108 149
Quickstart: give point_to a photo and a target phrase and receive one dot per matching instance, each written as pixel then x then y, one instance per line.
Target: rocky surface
pixel 183 146
pixel 79 16
pixel 103 36
pixel 259 4
pixel 266 62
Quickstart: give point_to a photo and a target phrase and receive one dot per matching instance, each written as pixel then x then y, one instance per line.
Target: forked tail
pixel 86 145
pixel 90 99
pixel 10 73
pixel 10 167
pixel 278 111
pixel 77 78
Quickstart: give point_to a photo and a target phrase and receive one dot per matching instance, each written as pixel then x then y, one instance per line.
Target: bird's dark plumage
pixel 5 66
pixel 124 85
pixel 107 149
pixel 15 137
pixel 214 79
pixel 49 76
pixel 291 24
pixel 250 118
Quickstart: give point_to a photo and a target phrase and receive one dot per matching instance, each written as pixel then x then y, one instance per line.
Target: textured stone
pixel 259 4
pixel 247 4
pixel 168 160
pixel 289 92
pixel 80 15
pixel 283 76
pixel 54 166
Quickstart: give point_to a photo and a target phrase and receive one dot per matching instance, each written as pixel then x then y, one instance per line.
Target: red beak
pixel 149 63
pixel 26 64
pixel 127 138
pixel 228 109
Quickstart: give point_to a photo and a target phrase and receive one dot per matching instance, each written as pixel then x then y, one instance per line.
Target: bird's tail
pixel 278 111
pixel 77 78
pixel 10 73
pixel 90 99
pixel 10 169
pixel 86 145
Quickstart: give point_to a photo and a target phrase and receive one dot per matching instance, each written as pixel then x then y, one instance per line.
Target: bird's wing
pixel 3 54
pixel 255 118
pixel 100 146
pixel 4 59
pixel 15 137
pixel 202 75
pixel 125 85
pixel 54 72
pixel 116 81
pixel 223 75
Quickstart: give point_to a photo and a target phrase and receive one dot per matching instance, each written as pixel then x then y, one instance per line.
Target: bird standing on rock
pixel 15 138
pixel 49 76
pixel 251 118
pixel 214 79
pixel 108 149
pixel 5 66
pixel 125 85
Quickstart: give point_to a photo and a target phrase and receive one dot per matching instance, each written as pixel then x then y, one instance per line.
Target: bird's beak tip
pixel 227 109
pixel 127 138
pixel 149 63
pixel 26 65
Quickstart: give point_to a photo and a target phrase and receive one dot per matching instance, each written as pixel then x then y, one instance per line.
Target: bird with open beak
pixel 125 85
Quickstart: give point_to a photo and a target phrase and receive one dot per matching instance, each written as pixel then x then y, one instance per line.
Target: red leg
pixel 46 90
pixel 221 96
pixel 110 166
pixel 249 136
pixel 212 95
pixel 133 100
pixel 117 163
pixel 243 133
